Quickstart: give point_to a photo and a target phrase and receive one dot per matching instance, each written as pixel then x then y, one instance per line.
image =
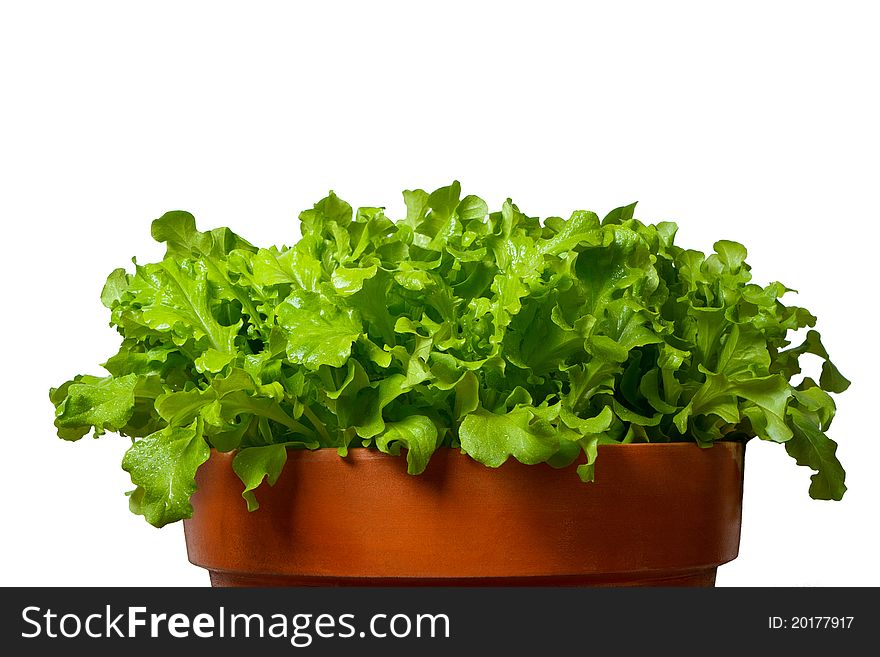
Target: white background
pixel 758 123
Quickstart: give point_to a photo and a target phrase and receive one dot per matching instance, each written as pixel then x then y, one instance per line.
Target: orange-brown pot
pixel 657 514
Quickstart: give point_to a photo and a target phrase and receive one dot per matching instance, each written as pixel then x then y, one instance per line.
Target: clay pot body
pixel 657 514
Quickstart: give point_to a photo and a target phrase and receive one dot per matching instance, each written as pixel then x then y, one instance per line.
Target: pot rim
pixel 360 451
pixel 361 517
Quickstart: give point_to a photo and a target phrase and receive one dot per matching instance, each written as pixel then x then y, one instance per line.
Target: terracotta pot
pixel 657 514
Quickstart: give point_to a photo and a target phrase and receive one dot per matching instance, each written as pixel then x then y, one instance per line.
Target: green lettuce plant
pixel 489 332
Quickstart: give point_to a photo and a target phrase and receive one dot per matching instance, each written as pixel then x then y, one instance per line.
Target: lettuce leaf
pixel 458 327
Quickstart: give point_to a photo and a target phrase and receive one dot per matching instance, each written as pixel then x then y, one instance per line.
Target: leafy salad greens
pixel 454 327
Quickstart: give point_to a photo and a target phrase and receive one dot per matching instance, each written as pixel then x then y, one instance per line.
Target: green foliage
pixel 455 327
